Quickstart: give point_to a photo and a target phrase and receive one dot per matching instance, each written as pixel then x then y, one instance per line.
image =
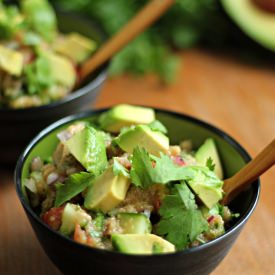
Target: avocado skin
pixel 243 13
pixel 238 44
pixel 222 35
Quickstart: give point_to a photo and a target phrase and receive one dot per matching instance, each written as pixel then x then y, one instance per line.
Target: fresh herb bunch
pixel 186 24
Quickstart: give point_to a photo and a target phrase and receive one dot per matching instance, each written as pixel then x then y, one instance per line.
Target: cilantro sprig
pixel 147 170
pixel 181 221
pixel 74 185
pixel 119 169
pixel 210 164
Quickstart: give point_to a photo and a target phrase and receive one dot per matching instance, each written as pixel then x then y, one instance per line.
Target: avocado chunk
pixel 73 214
pixel 209 196
pixel 141 244
pixel 207 186
pixel 63 71
pixel 134 223
pixel 11 61
pixel 209 150
pixel 141 135
pixel 88 147
pixel 75 46
pixel 253 20
pixel 107 191
pixel 125 115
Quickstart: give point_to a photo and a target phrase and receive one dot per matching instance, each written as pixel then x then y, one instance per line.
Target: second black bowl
pixel 18 126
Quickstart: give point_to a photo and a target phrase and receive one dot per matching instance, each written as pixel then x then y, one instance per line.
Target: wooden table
pixel 238 98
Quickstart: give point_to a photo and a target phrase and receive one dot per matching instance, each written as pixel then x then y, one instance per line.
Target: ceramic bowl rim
pixel 85 114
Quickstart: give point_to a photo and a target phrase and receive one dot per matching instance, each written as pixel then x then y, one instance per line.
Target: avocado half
pixel 254 21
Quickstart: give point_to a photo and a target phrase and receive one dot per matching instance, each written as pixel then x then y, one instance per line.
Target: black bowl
pixel 18 126
pixel 73 258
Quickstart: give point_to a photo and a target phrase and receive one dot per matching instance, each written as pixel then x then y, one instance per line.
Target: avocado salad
pixel 116 183
pixel 38 64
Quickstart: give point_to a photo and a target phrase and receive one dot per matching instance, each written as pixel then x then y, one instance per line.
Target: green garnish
pixel 210 164
pixel 73 186
pixel 119 169
pixel 38 74
pixel 40 17
pixel 181 221
pixel 148 170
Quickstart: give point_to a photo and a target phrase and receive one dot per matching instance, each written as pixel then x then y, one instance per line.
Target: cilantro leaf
pixel 38 75
pixel 119 169
pixel 181 222
pixel 147 170
pixel 40 17
pixel 210 164
pixel 10 21
pixel 74 185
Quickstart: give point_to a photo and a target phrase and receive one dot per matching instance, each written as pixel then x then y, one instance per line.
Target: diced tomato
pixel 80 235
pixel 210 219
pixel 90 241
pixel 153 164
pixel 179 161
pixel 53 217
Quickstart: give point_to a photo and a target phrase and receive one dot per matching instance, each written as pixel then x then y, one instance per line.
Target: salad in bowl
pixel 38 63
pixel 118 183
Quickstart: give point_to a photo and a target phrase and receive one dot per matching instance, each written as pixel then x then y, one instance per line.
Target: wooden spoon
pixel 249 173
pixel 150 13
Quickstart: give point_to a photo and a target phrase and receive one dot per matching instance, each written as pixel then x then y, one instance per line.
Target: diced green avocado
pixel 134 223
pixel 209 192
pixel 253 20
pixel 75 46
pixel 209 150
pixel 141 244
pixel 72 215
pixel 63 71
pixel 107 191
pixel 142 136
pixel 11 61
pixel 125 115
pixel 88 147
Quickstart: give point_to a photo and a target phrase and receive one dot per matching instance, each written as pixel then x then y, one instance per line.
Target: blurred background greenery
pixel 189 23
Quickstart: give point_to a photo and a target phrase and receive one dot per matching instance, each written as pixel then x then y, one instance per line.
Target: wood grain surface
pixel 238 98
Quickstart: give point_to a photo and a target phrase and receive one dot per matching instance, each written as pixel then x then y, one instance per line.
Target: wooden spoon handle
pixel 151 12
pixel 249 173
